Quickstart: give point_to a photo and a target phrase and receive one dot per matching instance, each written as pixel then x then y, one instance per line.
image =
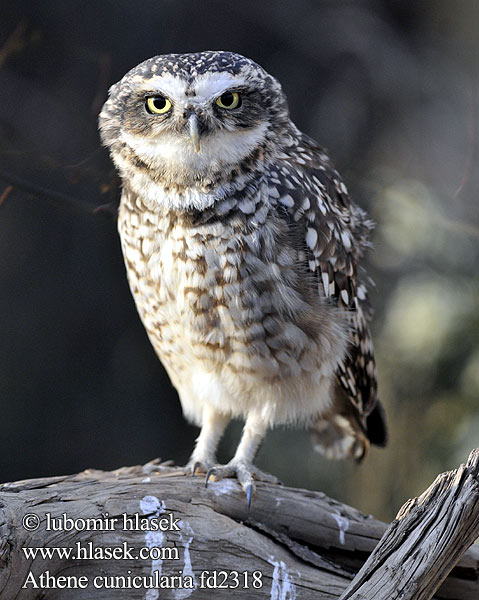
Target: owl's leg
pixel 241 465
pixel 213 425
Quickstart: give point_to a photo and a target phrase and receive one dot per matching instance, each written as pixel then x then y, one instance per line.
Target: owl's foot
pixel 246 474
pixel 195 466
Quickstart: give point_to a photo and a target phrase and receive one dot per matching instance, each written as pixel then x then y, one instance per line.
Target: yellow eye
pixel 157 105
pixel 229 100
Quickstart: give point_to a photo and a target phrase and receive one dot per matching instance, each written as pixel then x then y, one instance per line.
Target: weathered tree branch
pixel 424 542
pixel 295 543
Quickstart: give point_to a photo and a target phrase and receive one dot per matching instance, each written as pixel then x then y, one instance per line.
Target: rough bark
pixel 304 544
pixel 424 542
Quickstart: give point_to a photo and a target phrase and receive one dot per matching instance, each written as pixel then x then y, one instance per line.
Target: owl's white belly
pixel 231 329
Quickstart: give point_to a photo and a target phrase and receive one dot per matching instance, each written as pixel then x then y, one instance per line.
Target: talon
pixel 249 494
pixel 208 475
pixel 196 466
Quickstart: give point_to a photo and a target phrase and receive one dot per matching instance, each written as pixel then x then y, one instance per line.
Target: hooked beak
pixel 194 132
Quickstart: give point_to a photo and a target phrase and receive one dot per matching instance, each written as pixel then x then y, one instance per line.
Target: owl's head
pixel 187 118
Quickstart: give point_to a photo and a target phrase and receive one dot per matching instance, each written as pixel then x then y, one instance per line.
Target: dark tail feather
pixel 376 426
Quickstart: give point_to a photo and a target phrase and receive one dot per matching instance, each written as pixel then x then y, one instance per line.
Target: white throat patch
pixel 176 153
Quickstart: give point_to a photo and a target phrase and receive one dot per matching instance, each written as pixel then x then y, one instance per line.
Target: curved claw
pixel 244 472
pixel 208 475
pixel 195 466
pixel 249 494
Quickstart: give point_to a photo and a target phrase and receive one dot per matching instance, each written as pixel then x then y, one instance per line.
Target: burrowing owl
pixel 241 248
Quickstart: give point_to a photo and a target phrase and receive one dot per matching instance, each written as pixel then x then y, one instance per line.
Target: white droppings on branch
pixel 282 587
pixel 153 507
pixel 223 486
pixel 343 524
pixel 186 537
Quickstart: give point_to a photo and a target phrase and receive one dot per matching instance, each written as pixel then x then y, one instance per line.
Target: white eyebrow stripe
pixel 210 85
pixel 173 87
pixel 206 86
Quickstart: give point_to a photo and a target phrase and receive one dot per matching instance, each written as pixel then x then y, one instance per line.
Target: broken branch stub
pixel 425 541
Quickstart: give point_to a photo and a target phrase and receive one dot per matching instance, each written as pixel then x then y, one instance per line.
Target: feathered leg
pixel 212 428
pixel 241 465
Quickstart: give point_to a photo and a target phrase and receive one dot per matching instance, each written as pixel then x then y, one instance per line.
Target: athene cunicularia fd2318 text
pixel 242 246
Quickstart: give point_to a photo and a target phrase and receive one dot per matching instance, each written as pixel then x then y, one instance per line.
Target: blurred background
pixel 389 88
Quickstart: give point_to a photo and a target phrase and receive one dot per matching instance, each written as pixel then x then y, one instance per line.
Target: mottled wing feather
pixel 337 234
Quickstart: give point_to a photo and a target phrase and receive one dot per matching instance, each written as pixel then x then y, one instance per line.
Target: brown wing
pixel 337 233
